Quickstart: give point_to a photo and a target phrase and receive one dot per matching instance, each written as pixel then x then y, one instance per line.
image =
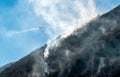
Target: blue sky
pixel 19 15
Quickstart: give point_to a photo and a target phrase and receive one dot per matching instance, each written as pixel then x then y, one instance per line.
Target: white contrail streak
pixel 12 33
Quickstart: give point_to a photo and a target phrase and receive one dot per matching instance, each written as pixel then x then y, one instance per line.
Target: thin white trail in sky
pixel 12 33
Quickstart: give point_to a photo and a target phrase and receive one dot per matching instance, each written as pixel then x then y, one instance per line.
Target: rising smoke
pixel 63 17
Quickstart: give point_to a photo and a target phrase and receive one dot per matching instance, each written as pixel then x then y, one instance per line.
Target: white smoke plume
pixel 12 33
pixel 63 16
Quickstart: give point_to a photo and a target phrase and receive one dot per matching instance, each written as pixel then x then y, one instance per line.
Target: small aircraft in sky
pixel 39 27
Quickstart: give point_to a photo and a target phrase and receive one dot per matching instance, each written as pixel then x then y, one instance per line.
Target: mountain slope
pixel 5 66
pixel 90 51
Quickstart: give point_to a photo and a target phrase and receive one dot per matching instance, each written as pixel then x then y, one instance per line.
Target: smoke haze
pixel 63 16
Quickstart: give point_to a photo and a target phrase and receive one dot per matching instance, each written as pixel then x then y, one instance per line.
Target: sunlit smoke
pixel 64 15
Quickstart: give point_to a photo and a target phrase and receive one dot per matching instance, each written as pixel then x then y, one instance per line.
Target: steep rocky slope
pixel 90 51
